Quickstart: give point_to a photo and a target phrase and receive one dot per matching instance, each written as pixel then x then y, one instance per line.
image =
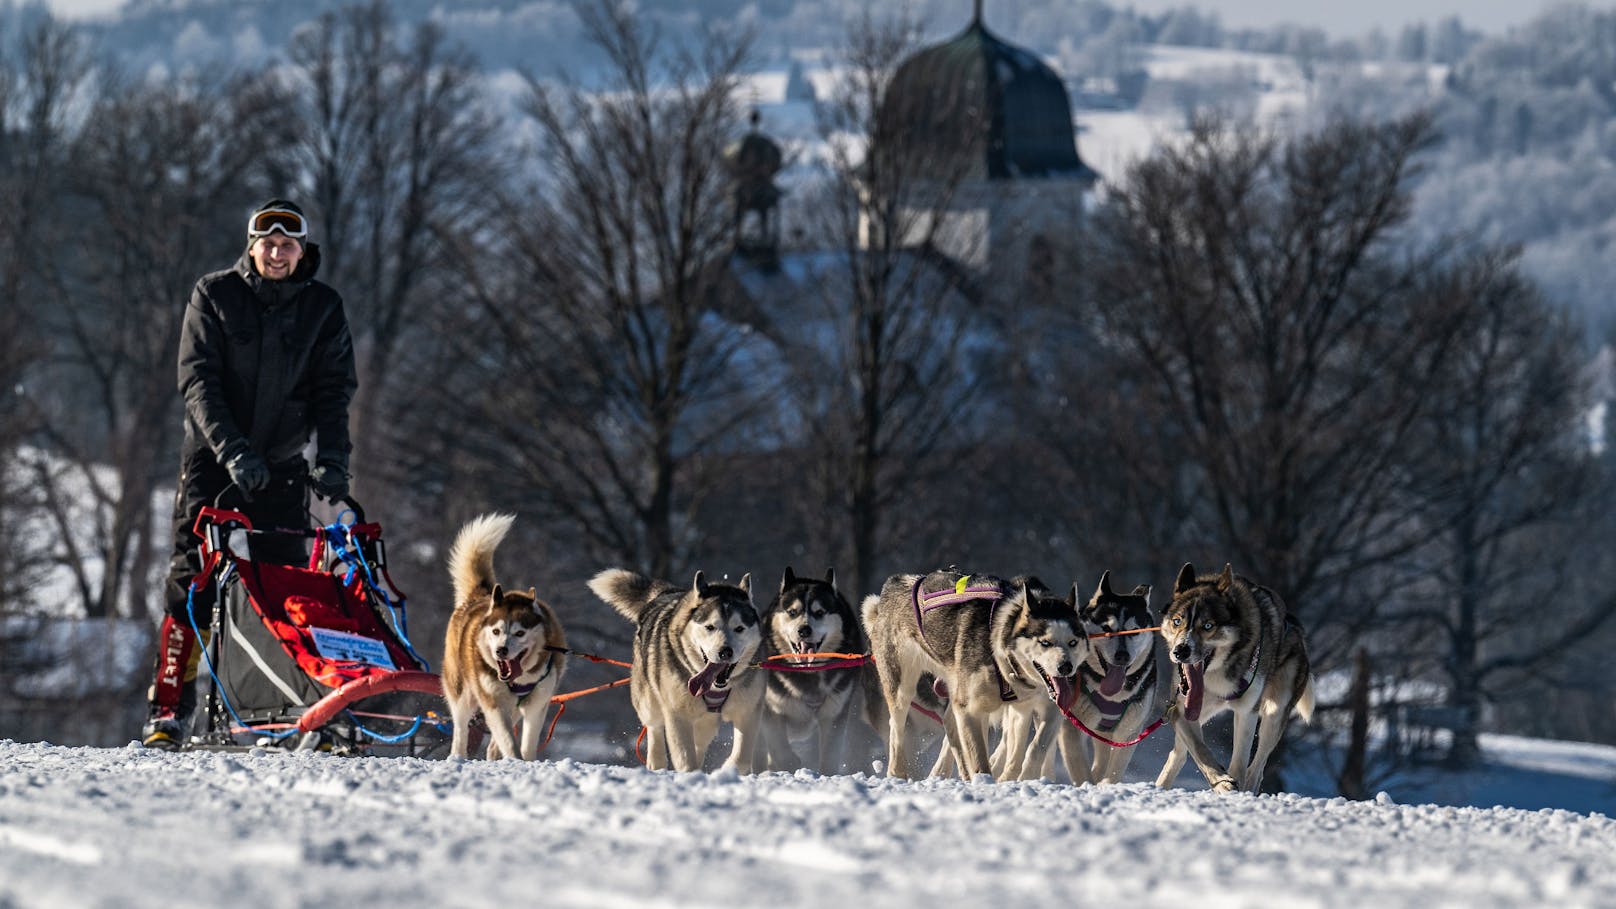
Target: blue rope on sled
pixel 218 686
pixel 224 697
pixel 387 739
pixel 336 533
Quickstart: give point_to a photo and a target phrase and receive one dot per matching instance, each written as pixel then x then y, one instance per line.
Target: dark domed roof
pixel 992 108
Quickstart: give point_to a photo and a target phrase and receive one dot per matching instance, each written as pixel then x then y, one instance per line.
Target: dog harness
pixel 715 698
pixel 522 691
pixel 961 592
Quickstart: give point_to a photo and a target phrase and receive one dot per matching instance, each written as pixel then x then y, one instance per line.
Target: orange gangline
pixel 815 656
pixel 561 700
pixel 1117 634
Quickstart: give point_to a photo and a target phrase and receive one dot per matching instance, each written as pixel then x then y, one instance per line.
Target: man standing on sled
pixel 265 361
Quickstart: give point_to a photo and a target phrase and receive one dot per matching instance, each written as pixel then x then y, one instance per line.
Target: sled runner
pixel 315 656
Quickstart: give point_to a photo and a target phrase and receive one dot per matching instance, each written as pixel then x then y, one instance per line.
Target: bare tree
pixel 400 157
pixel 605 374
pixel 28 144
pixel 1255 296
pixel 1506 462
pixel 40 88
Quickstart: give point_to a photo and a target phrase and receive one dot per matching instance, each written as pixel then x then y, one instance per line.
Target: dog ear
pixel 1023 592
pixel 1076 598
pixel 699 585
pixel 746 583
pixel 1186 578
pixel 1226 579
pixel 1105 583
pixel 1143 590
pixel 789 579
pixel 830 576
pixel 533 592
pixel 495 597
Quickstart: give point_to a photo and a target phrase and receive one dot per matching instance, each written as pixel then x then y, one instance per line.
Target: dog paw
pixel 1224 784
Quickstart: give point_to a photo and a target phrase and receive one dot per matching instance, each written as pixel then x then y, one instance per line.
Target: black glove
pixel 329 480
pixel 248 471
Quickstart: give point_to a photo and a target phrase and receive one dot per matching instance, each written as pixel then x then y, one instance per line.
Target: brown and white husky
pixel 504 651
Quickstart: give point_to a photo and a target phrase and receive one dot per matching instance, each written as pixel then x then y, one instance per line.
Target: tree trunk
pixel 1350 783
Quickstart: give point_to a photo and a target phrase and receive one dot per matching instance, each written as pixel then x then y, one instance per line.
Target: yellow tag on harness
pixel 959 586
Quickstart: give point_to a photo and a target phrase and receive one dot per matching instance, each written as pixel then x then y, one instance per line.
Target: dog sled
pixel 313 656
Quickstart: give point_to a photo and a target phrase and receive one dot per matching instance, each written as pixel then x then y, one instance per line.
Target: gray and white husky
pixel 801 701
pixel 694 650
pixel 989 643
pixel 1118 682
pixel 1237 648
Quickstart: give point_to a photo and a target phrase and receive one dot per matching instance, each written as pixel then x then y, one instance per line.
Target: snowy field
pixel 124 827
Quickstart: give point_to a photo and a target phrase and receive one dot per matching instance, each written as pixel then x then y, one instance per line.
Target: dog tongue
pixel 703 680
pixel 1065 691
pixel 1114 677
pixel 1194 677
pixel 509 669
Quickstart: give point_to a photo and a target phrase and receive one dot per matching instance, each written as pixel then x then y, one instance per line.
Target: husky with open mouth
pixel 991 645
pixel 694 650
pixel 1118 682
pixel 808 700
pixel 1236 647
pixel 504 650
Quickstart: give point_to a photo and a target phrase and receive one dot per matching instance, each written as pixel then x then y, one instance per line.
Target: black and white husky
pixel 989 643
pixel 694 654
pixel 1117 684
pixel 803 701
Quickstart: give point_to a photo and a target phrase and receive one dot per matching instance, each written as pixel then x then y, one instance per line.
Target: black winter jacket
pixel 264 363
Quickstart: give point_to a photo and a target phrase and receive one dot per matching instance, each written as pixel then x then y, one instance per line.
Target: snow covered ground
pixel 124 827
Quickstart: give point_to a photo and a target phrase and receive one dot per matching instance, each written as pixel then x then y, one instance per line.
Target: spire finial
pixel 976 19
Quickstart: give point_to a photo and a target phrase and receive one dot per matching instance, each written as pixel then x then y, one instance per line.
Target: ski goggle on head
pixel 284 220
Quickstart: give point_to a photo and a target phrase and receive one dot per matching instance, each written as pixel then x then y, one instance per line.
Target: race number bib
pixel 351 648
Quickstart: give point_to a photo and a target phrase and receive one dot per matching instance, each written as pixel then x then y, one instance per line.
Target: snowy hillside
pixel 127 827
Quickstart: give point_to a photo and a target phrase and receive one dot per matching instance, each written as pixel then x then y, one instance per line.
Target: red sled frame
pixel 336 594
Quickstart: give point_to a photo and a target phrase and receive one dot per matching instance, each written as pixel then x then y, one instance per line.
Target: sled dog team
pixel 965 654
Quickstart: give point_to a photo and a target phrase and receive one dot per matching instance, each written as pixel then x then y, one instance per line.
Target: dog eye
pixel 518 632
pixel 740 628
pixel 1177 621
pixel 710 627
pixel 1072 642
pixel 1208 625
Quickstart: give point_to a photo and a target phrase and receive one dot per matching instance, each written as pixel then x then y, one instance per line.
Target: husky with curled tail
pixel 694 654
pixel 1237 648
pixel 504 650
